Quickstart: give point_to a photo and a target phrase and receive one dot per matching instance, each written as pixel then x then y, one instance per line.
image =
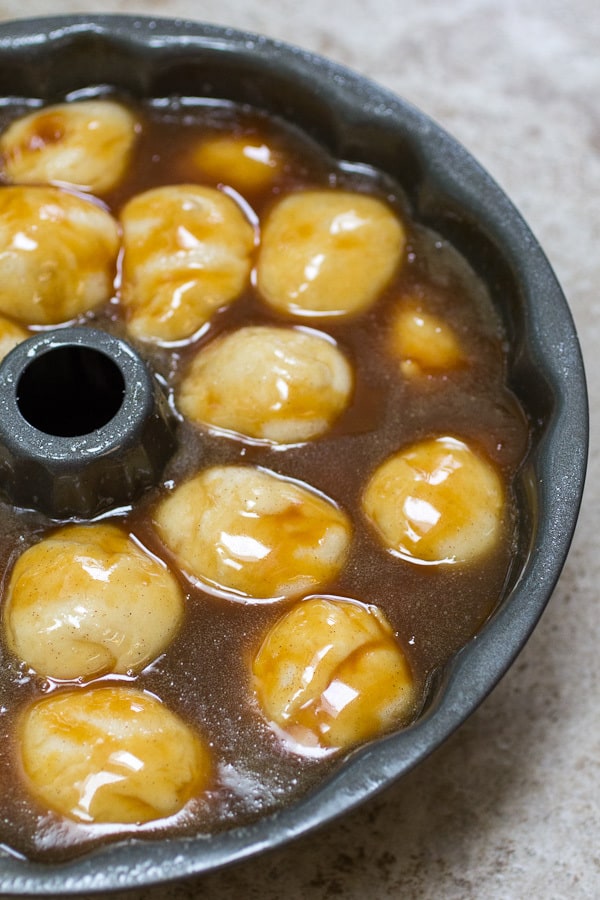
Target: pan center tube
pixel 84 426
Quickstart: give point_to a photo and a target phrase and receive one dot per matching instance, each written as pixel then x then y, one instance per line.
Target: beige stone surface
pixel 509 807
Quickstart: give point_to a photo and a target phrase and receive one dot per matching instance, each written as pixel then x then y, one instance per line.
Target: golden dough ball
pixel 245 163
pixel 87 600
pixel 11 334
pixel 274 384
pixel 436 502
pixel 58 254
pixel 86 144
pixel 328 253
pixel 187 253
pixel 424 343
pixel 331 674
pixel 111 754
pixel 246 533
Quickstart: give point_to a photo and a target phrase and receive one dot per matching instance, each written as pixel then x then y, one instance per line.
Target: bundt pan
pixel 447 192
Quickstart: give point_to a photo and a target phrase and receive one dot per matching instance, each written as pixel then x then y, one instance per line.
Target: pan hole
pixel 70 391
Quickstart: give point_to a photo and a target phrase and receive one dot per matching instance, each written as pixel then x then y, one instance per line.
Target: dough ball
pixel 87 600
pixel 58 254
pixel 11 334
pixel 328 253
pixel 436 502
pixel 246 163
pixel 86 144
pixel 187 254
pixel 424 343
pixel 246 533
pixel 274 384
pixel 330 674
pixel 111 755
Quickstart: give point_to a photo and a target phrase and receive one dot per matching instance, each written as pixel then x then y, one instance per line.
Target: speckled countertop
pixel 509 807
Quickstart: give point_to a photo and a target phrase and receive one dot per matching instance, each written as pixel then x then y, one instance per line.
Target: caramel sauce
pixel 49 129
pixel 205 674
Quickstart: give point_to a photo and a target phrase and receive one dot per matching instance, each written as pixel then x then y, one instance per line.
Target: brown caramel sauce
pixel 204 675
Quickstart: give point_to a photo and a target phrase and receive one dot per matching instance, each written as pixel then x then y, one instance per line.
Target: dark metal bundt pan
pixel 449 192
